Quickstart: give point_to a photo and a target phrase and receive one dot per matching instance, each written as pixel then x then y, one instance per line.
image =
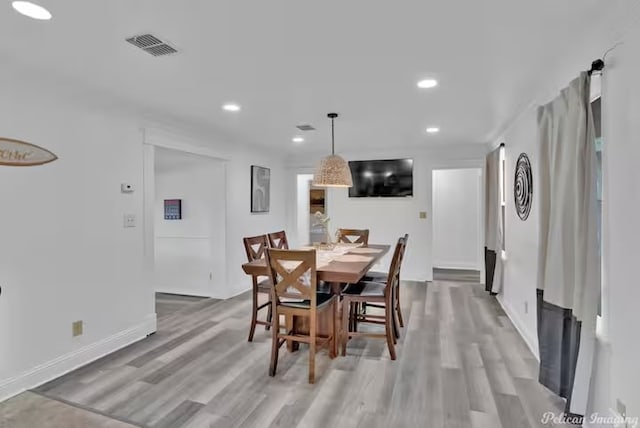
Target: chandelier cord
pixel 333 147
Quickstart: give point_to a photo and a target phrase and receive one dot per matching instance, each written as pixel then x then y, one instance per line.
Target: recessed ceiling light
pixel 433 130
pixel 231 107
pixel 297 139
pixel 427 83
pixel 31 10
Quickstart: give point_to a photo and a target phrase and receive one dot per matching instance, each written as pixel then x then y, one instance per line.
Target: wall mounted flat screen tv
pixel 381 178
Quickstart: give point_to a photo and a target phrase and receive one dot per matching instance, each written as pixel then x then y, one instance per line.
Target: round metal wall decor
pixel 523 186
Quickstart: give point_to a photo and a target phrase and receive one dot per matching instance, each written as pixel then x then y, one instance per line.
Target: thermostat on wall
pixel 173 209
pixel 126 188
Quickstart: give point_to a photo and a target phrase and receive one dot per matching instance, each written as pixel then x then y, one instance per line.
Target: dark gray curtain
pixel 489 268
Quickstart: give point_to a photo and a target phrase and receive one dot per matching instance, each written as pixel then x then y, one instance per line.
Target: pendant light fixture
pixel 332 171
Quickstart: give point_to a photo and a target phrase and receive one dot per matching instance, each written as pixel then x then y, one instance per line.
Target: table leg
pixel 337 326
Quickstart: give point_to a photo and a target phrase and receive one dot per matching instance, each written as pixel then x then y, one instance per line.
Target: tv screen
pixel 380 178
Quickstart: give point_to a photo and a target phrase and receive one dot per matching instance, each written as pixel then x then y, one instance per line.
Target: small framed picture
pixel 173 209
pixel 260 192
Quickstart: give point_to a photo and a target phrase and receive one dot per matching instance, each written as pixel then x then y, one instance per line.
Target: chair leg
pixel 274 345
pixel 388 327
pixel 395 328
pixel 346 314
pixel 351 315
pixel 268 326
pixel 398 307
pixel 254 313
pixel 333 352
pixel 355 312
pixel 392 312
pixel 312 349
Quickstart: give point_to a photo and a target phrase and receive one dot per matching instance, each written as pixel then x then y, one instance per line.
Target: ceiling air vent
pixel 152 45
pixel 306 127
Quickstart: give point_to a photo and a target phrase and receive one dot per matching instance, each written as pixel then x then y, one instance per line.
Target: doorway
pixel 457 222
pixel 188 224
pixel 310 200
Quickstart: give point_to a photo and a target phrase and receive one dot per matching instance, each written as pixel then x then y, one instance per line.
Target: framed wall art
pixel 523 186
pixel 260 189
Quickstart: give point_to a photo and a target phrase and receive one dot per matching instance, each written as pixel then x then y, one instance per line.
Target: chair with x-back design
pixel 378 293
pixel 353 236
pixel 255 247
pixel 295 294
pixel 278 240
pixel 382 277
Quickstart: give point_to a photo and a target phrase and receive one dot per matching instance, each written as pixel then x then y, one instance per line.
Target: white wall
pixel 389 218
pixel 521 237
pixel 65 255
pixel 621 228
pixel 615 366
pixel 190 256
pixel 456 218
pixel 240 222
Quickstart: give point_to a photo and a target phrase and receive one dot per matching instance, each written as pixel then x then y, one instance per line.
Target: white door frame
pixel 467 164
pixel 153 138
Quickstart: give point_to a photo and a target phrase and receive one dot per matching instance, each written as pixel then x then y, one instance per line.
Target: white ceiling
pixel 291 62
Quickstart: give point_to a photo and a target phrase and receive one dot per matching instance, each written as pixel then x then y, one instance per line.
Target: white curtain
pixel 493 224
pixel 569 270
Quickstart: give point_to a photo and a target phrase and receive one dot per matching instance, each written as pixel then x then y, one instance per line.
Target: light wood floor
pixel 169 304
pixel 460 364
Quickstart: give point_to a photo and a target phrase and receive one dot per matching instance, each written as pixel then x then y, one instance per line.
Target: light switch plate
pixel 423 214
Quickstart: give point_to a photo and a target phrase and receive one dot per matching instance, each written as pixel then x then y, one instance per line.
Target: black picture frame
pixel 260 189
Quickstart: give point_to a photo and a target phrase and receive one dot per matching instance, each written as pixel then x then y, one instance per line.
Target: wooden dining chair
pixel 294 294
pixel 353 236
pixel 371 292
pixel 382 277
pixel 255 247
pixel 278 240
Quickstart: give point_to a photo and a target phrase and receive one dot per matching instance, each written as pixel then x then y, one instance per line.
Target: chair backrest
pixel 255 246
pixel 278 240
pixel 405 239
pixel 354 236
pixel 293 274
pixel 394 270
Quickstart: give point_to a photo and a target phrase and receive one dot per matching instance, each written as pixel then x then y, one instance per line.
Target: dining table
pixel 336 264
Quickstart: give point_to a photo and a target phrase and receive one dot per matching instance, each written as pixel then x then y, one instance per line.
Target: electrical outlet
pixel 526 307
pixel 129 220
pixel 76 328
pixel 621 408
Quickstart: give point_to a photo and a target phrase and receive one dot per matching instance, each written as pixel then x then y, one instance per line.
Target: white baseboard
pixel 183 292
pixel 65 363
pixel 235 292
pixel 456 265
pixel 530 339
